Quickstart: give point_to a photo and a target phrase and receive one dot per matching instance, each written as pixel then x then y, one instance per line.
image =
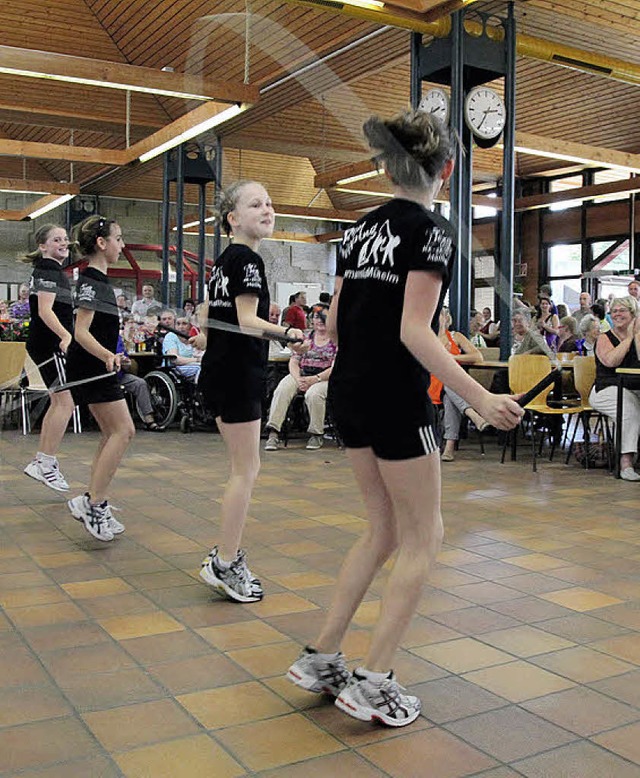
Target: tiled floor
pixel 116 660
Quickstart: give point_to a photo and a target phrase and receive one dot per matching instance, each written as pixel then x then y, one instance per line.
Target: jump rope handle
pixel 550 378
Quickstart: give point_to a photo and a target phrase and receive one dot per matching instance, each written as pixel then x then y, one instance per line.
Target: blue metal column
pixel 217 233
pixel 456 182
pixel 202 215
pixel 505 270
pixel 166 229
pixel 415 86
pixel 179 229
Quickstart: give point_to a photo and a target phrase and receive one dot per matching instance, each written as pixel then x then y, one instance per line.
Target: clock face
pixel 485 112
pixel 435 101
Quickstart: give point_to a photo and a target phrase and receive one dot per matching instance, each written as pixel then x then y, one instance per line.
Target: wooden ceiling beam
pixel 533 202
pixel 37 187
pixel 593 156
pixel 35 150
pixel 117 75
pixel 49 116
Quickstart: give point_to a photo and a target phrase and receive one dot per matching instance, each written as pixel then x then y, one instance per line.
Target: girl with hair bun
pixel 394 267
pixel 94 361
pixel 49 338
pixel 233 375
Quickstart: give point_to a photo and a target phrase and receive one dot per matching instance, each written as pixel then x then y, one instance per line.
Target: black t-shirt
pixel 607 376
pixel 232 358
pixel 372 365
pixel 48 276
pixel 93 291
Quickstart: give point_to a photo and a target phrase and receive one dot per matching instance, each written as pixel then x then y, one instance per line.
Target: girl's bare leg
pixel 117 430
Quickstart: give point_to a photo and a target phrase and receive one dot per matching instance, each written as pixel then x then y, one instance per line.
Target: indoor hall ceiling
pixel 303 124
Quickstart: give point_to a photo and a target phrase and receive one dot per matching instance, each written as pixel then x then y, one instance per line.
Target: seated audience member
pixel 526 338
pixel 547 322
pixel 140 308
pixel 620 347
pixel 585 306
pixel 187 361
pixel 562 310
pixel 633 290
pixel 589 329
pixel 4 311
pixel 568 336
pixel 490 329
pixel 137 387
pixel 168 318
pixel 464 352
pixel 20 309
pixel 476 321
pixel 599 311
pixel 295 315
pixel 325 298
pixel 123 304
pixel 308 373
pixel 276 348
pixel 189 308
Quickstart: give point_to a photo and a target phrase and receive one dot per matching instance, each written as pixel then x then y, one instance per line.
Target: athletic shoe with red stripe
pixel 384 702
pixel 317 674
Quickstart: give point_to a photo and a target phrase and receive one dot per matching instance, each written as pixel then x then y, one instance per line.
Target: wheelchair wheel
pixel 164 397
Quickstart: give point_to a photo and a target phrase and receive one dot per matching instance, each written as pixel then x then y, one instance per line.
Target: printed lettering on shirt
pixel 86 293
pixel 375 256
pixel 252 276
pixel 438 246
pixel 219 283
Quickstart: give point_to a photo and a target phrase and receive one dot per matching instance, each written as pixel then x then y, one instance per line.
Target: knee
pixel 384 539
pixel 128 431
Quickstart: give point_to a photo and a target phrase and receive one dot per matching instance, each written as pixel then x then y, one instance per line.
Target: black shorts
pixel 52 368
pixel 396 439
pixel 233 401
pixel 104 390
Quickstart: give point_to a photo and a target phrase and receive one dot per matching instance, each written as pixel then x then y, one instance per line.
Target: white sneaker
pixel 116 527
pixel 48 475
pixel 273 442
pixel 315 674
pixel 629 474
pixel 235 582
pixel 315 442
pixel 368 701
pixel 94 517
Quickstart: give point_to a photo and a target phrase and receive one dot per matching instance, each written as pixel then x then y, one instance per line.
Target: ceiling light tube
pixel 228 113
pixel 50 206
pixel 574 158
pixel 358 177
pixel 365 4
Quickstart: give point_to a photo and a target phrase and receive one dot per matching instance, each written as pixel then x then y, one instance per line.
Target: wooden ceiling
pixel 320 75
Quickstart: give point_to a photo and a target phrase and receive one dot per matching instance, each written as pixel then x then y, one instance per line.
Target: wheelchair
pixel 172 394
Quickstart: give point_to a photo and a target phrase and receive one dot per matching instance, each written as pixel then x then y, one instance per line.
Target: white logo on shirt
pixel 86 293
pixel 438 246
pixel 378 244
pixel 220 283
pixel 252 276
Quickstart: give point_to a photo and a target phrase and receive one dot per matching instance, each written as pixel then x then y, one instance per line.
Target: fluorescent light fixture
pixel 359 177
pixel 365 4
pixel 224 115
pixel 50 206
pixel 278 216
pixel 387 195
pixel 574 158
pixel 108 84
pixel 24 191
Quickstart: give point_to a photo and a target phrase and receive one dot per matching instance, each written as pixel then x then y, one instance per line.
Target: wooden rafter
pixel 37 187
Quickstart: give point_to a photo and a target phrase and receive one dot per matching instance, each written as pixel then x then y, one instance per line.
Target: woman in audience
pixel 233 374
pixel 620 347
pixel 49 338
pixel 567 336
pixel 475 329
pixel 394 267
pixel 308 373
pixel 94 362
pixel 526 338
pixel 547 322
pixel 589 329
pixel 490 329
pixel 465 353
pixel 21 309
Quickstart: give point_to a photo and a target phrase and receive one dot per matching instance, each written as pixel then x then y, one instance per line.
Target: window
pixel 565 268
pixel 562 185
pixel 618 257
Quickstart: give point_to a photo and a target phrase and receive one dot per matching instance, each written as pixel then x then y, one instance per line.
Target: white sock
pixel 223 563
pixel 373 677
pixel 327 657
pixel 46 459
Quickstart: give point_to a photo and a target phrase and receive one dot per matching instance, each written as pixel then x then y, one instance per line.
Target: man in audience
pixel 20 309
pixel 476 322
pixel 187 362
pixel 295 315
pixel 585 307
pixel 168 318
pixel 140 308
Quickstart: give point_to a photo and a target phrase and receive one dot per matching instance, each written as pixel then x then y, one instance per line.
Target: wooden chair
pixel 525 370
pixel 12 357
pixel 584 376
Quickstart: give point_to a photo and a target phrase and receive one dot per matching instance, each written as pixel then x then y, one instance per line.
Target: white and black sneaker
pixel 273 442
pixel 317 674
pixel 235 582
pixel 367 700
pixel 94 517
pixel 48 474
pixel 116 527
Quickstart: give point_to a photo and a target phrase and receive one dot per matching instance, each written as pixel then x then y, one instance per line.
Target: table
pixel 623 374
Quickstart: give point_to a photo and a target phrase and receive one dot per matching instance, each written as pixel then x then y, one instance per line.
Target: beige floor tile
pixel 182 758
pixel 296 581
pixel 40 615
pixel 625 647
pixel 580 599
pixel 21 706
pixel 279 604
pixel 577 760
pixel 231 705
pixel 198 672
pixel 535 561
pixel 241 635
pixel 582 664
pixel 525 641
pixel 264 661
pixel 624 741
pixel 518 681
pixel 140 625
pixel 463 655
pixel 341 764
pixel 103 587
pixel 267 744
pixel 44 742
pixel 38 595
